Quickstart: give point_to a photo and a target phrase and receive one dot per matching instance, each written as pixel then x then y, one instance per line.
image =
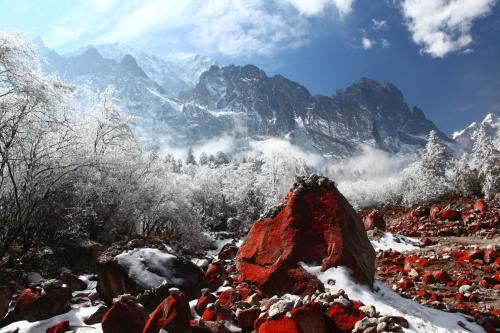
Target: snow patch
pixel 388 302
pixel 74 316
pixel 148 267
pixel 395 242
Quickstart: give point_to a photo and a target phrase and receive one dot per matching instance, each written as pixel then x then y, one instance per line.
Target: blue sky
pixel 443 54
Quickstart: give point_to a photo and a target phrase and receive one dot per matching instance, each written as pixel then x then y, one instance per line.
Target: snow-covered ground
pixel 388 302
pixel 396 242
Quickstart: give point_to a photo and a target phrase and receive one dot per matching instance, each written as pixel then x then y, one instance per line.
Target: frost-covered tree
pixel 203 160
pixel 36 138
pixel 435 158
pixel 190 159
pixel 487 160
pixel 426 180
pixel 465 179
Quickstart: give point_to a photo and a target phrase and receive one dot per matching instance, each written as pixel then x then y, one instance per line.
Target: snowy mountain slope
pixel 465 137
pixel 175 72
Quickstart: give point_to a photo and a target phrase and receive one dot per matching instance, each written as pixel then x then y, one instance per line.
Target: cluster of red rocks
pixel 481 218
pixel 463 279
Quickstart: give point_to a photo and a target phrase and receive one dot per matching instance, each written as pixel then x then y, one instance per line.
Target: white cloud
pixel 443 26
pixel 234 28
pixel 379 24
pixel 315 7
pixel 367 43
pixel 385 43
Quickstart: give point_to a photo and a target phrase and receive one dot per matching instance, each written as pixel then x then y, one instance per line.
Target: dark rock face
pixel 51 299
pixel 368 112
pixel 149 272
pixel 313 223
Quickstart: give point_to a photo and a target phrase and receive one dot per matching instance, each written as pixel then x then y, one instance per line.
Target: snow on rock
pixel 388 302
pixel 395 242
pixel 146 269
pixel 75 317
pixel 139 264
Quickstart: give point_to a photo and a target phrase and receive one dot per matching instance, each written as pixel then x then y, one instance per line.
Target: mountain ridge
pixel 245 103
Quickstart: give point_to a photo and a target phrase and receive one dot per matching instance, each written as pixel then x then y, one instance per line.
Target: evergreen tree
pixel 190 157
pixel 203 159
pixel 465 179
pixel 486 158
pixel 435 158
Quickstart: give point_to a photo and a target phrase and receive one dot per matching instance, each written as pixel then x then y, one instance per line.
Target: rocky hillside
pixel 307 266
pixel 244 103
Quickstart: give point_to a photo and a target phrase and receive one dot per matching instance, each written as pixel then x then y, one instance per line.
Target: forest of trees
pixel 69 173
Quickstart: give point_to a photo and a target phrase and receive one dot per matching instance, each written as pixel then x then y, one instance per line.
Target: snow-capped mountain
pixel 175 72
pixel 491 124
pixel 368 112
pixel 242 102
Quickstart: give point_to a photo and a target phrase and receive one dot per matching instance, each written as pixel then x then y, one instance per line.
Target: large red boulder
pixel 124 317
pixel 172 315
pixel 314 224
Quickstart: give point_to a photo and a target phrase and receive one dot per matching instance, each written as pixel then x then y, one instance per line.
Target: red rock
pixel 124 317
pixel 441 276
pixel 476 254
pixel 59 328
pixel 435 297
pixel 247 317
pixel 449 214
pixel 215 275
pixel 199 327
pixel 203 301
pixel 281 325
pixel 422 293
pixel 374 220
pixel 426 241
pixel 406 284
pixel 261 320
pixel 420 212
pixel 343 320
pixel 310 318
pixel 172 315
pixel 428 278
pixel 490 256
pixel 35 305
pixel 480 205
pixel 228 252
pixel 229 297
pixel 316 225
pixel 217 312
pixel 434 210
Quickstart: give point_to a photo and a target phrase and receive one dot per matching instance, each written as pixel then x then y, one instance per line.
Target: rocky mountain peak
pixel 129 63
